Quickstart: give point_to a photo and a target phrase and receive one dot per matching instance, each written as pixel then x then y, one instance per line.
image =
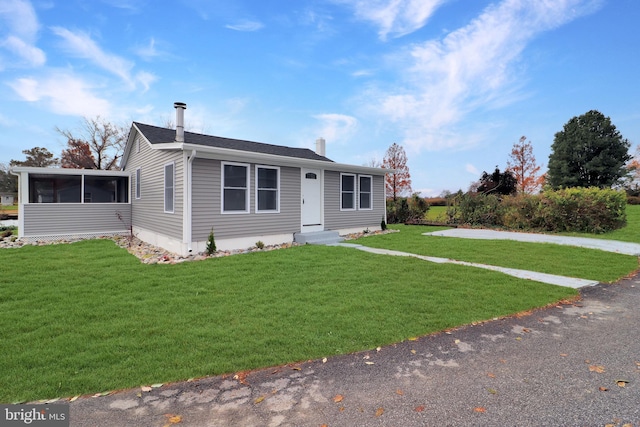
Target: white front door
pixel 311 200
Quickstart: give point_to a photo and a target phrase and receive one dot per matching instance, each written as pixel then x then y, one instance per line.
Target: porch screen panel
pixel 55 189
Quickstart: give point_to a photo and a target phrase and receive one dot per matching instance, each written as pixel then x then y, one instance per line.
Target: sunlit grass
pixel 542 257
pixel 88 317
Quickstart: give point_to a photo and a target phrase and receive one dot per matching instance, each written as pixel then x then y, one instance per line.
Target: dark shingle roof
pixel 159 135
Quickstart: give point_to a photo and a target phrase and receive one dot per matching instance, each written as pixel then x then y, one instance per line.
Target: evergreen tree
pixel 588 152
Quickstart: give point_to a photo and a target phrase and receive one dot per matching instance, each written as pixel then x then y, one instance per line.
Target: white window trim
pixel 277 209
pixel 247 193
pixel 355 192
pixel 138 184
pixel 164 186
pixel 370 208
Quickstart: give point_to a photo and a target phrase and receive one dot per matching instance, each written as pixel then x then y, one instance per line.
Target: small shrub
pixel 404 209
pixel 633 200
pixel 6 233
pixel 211 243
pixel 586 210
pixel 259 244
pixel 383 225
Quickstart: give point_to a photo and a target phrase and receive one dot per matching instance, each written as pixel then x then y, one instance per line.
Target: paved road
pixel 559 366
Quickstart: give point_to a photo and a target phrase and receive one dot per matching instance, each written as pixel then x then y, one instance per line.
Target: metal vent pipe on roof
pixel 180 107
pixel 320 147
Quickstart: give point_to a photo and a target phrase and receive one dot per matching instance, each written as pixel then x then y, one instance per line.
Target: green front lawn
pixel 88 317
pixel 542 257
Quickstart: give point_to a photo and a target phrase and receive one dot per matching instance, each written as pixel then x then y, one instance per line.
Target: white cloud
pixel 82 45
pixel 149 51
pixel 395 17
pixel 470 69
pixel 34 56
pixel 246 25
pixel 471 169
pixel 362 73
pixel 336 127
pixel 20 19
pixel 18 32
pixel 62 93
pixel 146 79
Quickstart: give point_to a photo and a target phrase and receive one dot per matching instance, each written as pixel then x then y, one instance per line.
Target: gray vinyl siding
pixel 207 200
pixel 55 219
pixel 335 219
pixel 148 211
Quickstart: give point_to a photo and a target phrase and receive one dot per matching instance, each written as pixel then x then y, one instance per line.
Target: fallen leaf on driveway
pixel 338 398
pixel 492 391
pixel 563 354
pixel 369 363
pixel 480 409
pixel 622 383
pixel 258 400
pixel 173 419
pixel 491 375
pixel 146 388
pixel 419 408
pixel 603 389
pixel 379 412
pixel 399 392
pixel 596 368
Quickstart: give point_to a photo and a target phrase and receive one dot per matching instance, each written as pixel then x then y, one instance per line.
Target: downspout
pixel 22 190
pixel 190 200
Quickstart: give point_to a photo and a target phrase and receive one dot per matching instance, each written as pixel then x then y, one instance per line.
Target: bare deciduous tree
pixel 99 145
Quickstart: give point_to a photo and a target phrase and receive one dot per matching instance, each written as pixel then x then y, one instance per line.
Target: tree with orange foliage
pixel 632 182
pixel 524 168
pixel 399 181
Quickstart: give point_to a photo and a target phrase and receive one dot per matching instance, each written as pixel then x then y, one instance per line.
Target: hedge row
pixel 586 210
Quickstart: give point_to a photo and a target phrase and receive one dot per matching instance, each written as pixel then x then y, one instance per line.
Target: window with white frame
pixel 267 189
pixel 138 184
pixel 169 187
pixel 235 188
pixel 364 189
pixel 347 192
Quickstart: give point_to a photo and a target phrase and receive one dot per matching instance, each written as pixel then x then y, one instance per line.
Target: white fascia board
pixel 271 159
pixel 67 171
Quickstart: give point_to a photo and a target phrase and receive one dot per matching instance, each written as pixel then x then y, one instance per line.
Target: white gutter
pixel 189 210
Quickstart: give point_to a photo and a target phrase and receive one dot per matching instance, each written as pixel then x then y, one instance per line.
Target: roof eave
pixel 248 156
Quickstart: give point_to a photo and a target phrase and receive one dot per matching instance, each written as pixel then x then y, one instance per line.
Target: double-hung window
pixel 347 192
pixel 364 188
pixel 169 186
pixel 267 189
pixel 235 188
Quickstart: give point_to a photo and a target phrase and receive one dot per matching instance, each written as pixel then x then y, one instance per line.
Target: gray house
pixel 176 186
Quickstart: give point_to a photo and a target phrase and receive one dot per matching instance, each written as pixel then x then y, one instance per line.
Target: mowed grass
pixel 89 317
pixel 541 257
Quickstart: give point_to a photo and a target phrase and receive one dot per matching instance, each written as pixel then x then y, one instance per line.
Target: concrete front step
pixel 318 238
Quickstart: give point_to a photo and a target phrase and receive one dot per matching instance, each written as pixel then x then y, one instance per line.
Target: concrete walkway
pixel 570 282
pixel 601 244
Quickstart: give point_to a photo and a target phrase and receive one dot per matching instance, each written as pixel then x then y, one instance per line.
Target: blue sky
pixel 455 82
